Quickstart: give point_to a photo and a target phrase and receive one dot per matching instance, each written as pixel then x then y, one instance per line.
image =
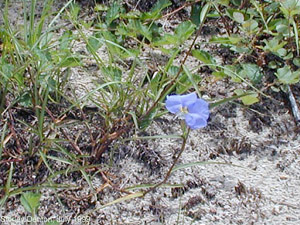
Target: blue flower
pixel 193 110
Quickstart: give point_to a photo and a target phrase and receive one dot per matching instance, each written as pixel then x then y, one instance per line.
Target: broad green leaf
pixel 113 72
pixel 273 24
pixel 231 71
pixel 240 49
pixel 155 82
pixel 274 45
pixel 203 56
pixel 93 44
pixel 234 14
pixel 167 39
pixel 286 76
pixel 25 99
pixel 160 5
pixel 70 61
pixel 219 74
pixel 30 201
pixel 296 61
pixel 65 40
pixel 252 71
pixel 142 29
pixel 249 99
pixel 7 70
pixel 238 17
pixel 272 7
pixel 112 13
pixel 250 26
pixel 156 9
pixel 147 120
pixel 184 30
pixel 290 5
pixel 195 13
pixel 131 15
pixel 283 28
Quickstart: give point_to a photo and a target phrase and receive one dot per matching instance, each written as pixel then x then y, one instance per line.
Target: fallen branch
pixel 294 105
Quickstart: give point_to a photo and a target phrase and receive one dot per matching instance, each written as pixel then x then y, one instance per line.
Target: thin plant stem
pixel 184 140
pixel 173 81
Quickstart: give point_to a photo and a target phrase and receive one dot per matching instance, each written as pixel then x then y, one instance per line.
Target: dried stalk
pixel 294 105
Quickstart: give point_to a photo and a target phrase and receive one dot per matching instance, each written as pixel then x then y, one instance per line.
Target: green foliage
pixel 286 76
pixel 31 202
pixel 251 71
pixel 155 12
pixel 130 89
pixel 182 32
pixel 203 56
pixel 248 99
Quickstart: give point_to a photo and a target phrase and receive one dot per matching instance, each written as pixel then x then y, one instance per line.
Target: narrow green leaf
pixel 9 178
pixel 296 31
pixel 225 100
pixel 124 198
pixel 204 12
pixel 193 82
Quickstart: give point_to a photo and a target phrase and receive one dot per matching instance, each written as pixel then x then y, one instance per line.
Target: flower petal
pixel 188 99
pixel 195 121
pixel 199 107
pixel 173 103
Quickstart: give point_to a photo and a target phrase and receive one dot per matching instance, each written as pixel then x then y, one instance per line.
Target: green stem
pixel 173 81
pixel 185 135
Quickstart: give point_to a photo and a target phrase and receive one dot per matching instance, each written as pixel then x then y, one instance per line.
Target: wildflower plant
pixel 129 91
pixel 193 110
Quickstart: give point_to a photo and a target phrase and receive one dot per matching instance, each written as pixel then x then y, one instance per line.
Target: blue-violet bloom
pixel 193 110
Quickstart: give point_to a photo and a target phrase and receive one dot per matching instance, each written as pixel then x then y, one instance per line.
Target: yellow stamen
pixel 184 110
